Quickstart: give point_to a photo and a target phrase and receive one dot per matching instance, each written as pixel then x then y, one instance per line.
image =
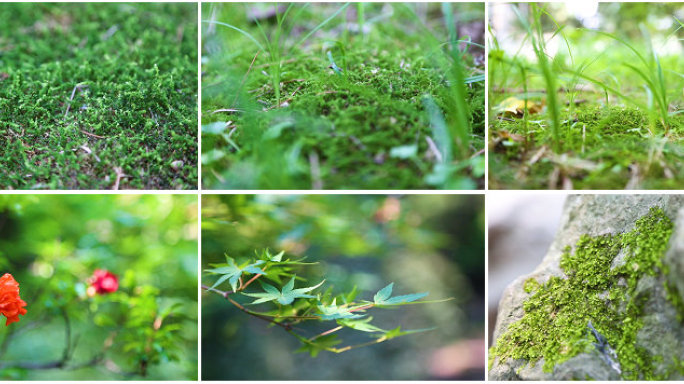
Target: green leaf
pixel 278 257
pixel 276 130
pixel 284 297
pixel 214 128
pixel 362 325
pixel 333 312
pixel 232 272
pixel 383 297
pixel 212 156
pixel 404 151
pixel 320 344
pixel 383 294
pixel 349 297
pixel 396 332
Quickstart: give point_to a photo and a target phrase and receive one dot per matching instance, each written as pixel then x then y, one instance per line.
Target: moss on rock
pixel 606 282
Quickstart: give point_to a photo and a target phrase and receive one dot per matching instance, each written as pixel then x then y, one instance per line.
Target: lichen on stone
pixel 600 285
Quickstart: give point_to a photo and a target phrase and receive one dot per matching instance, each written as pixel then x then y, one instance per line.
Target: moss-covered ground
pixel 603 147
pixel 599 286
pixel 618 92
pixel 384 120
pixel 98 96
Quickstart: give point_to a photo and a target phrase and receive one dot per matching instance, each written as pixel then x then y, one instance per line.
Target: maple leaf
pixel 363 325
pixel 286 296
pixel 231 272
pixel 396 332
pixel 321 344
pixel 333 312
pixel 383 297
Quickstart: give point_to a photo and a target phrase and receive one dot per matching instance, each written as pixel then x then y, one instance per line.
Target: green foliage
pixel 146 329
pixel 358 244
pixel 284 297
pixel 232 272
pixel 337 100
pixel 95 93
pixel 317 308
pixel 625 78
pixel 383 297
pixel 554 326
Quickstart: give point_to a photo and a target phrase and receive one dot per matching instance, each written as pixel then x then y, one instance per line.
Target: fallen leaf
pixel 515 107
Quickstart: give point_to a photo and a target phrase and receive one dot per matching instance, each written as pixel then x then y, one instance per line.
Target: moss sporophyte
pixel 595 306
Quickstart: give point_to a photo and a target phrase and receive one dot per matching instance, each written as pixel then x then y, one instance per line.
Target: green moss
pixel 350 121
pixel 89 88
pixel 596 288
pixel 602 148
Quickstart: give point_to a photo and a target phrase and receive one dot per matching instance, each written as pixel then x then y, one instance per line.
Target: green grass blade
pixel 319 26
pixel 247 34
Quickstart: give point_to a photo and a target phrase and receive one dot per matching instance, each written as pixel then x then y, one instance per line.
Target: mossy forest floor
pixel 98 96
pixel 604 146
pixel 618 96
pixel 379 122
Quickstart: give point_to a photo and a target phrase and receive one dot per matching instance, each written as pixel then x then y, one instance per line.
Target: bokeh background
pixel 421 243
pixel 629 20
pixel 51 244
pixel 521 227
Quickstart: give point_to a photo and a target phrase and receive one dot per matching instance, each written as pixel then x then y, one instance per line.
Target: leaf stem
pixel 250 281
pixel 329 331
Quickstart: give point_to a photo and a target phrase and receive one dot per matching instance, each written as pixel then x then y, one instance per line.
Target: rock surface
pixel 662 333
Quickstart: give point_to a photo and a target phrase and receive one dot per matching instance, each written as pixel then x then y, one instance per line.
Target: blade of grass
pixel 245 33
pixel 547 74
pixel 319 26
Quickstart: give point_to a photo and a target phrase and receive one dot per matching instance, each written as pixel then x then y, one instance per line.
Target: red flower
pixel 11 305
pixel 102 282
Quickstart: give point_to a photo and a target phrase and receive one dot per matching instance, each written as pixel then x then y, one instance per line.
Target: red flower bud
pixel 103 282
pixel 11 305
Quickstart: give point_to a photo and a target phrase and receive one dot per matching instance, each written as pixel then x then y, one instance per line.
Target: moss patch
pixel 88 89
pixel 600 286
pixel 602 148
pixel 367 127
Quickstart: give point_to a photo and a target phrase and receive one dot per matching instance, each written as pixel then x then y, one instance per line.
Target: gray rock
pixel 662 334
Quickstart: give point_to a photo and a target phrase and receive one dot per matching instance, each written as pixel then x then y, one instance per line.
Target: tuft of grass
pixel 275 45
pixel 535 34
pixel 98 96
pixel 352 112
pixel 607 118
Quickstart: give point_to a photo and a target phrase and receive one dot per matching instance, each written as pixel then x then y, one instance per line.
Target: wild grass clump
pixel 545 86
pixel 98 96
pixel 369 96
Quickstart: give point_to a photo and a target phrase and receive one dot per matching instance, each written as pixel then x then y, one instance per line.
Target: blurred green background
pixel 51 244
pixel 421 243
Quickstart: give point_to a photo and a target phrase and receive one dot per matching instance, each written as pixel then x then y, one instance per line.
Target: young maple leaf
pixel 320 344
pixel 383 297
pixel 333 312
pixel 286 296
pixel 232 272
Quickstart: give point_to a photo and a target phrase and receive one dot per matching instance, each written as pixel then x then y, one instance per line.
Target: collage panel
pixel 363 96
pixel 343 287
pixel 98 96
pixel 98 287
pixel 586 95
pixel 593 287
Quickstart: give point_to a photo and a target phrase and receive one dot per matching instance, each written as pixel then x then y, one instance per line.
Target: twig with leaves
pixel 290 306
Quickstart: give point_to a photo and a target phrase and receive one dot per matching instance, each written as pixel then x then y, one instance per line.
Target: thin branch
pixel 92 134
pixel 67 354
pixel 226 295
pixel 251 280
pixel 329 331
